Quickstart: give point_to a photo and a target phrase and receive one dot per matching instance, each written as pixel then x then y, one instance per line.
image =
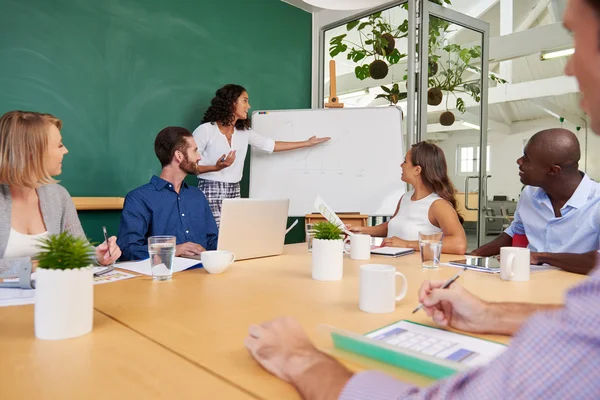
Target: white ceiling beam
pixel 537 89
pixel 531 41
pixel 522 91
pixel 506 28
pixel 535 13
pixel 506 113
pixel 437 128
pixel 557 10
pixel 554 110
pixel 493 125
pixel 537 125
pixel 508 47
pixel 476 11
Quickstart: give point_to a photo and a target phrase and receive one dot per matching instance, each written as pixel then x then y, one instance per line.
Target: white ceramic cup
pixel 514 263
pixel 378 288
pixel 216 261
pixel 360 246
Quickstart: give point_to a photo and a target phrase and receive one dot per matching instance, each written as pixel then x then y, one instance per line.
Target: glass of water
pixel 162 256
pixel 430 245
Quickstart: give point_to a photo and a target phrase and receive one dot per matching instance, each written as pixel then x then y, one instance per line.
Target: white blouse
pixel 412 217
pixel 212 144
pixel 22 245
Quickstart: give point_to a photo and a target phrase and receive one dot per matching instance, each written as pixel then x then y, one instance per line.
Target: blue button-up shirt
pixel 156 209
pixel 577 230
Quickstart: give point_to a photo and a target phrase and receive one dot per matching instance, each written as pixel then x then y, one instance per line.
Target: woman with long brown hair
pixel 223 139
pixel 430 206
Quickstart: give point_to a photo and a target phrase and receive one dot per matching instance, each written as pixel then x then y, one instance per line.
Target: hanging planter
pixel 388 47
pixel 447 118
pixel 378 69
pixel 377 41
pixel 434 96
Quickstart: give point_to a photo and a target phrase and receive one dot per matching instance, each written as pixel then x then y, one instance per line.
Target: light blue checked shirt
pixel 555 355
pixel 576 231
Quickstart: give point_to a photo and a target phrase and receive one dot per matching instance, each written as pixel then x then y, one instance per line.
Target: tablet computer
pixel 487 264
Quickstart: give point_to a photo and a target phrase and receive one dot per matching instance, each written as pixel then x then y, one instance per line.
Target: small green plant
pixel 326 230
pixel 64 251
pixel 392 95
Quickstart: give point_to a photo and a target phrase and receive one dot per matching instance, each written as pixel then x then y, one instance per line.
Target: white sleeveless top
pixel 22 245
pixel 412 217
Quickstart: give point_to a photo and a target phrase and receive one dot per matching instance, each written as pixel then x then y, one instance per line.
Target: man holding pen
pixel 555 352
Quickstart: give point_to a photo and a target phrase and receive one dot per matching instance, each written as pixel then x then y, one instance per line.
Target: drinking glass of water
pixel 162 256
pixel 430 244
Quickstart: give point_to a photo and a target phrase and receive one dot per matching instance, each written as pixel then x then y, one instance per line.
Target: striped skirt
pixel 215 192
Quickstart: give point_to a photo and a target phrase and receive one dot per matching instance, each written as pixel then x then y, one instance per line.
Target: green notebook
pixel 428 351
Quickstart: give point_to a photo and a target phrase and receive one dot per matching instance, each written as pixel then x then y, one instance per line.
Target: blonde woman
pixel 32 204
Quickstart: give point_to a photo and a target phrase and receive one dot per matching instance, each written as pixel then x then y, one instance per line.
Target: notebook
pixel 426 350
pixel 392 251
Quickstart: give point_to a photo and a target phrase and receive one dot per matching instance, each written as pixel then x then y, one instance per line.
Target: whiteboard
pixel 358 170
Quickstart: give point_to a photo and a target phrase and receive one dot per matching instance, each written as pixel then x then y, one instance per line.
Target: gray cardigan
pixel 58 212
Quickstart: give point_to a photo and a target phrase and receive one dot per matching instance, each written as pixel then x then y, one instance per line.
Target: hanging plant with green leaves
pixel 377 39
pixel 446 68
pixel 393 95
pixel 450 78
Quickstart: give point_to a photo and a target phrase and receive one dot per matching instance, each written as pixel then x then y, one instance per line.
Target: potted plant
pixel 327 252
pixel 446 75
pixel 64 303
pixel 451 79
pixel 392 95
pixel 377 47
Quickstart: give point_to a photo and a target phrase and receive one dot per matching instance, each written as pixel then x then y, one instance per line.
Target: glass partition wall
pixel 441 87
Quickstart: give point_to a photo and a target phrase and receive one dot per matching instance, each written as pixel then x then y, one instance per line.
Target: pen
pixel 106 240
pixel 446 286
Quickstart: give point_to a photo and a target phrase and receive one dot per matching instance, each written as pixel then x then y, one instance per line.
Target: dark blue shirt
pixel 156 209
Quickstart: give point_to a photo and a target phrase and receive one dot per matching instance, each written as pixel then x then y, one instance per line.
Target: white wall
pixel 505 150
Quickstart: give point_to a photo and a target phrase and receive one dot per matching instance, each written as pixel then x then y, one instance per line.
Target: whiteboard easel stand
pixel 333 102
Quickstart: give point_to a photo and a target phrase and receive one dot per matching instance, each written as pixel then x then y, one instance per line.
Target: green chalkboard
pixel 118 71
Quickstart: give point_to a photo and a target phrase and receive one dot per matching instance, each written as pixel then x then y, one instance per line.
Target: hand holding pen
pixel 225 160
pixel 451 305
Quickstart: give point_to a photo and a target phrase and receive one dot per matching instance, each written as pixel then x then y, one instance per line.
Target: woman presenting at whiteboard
pixel 430 207
pixel 223 139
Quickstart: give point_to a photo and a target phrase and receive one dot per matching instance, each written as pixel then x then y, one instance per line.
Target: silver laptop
pixel 252 228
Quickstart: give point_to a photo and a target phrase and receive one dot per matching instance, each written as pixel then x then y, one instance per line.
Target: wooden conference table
pixel 112 362
pixel 184 338
pixel 204 318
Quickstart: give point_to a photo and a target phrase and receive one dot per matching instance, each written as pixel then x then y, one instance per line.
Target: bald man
pixel 559 210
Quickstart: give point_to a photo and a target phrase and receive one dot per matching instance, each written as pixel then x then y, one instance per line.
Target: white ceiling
pixel 524 69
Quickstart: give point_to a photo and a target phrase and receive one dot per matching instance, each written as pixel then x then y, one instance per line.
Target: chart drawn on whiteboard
pixel 325 157
pixel 356 171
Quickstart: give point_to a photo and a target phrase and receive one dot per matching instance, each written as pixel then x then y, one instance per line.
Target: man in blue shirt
pixel 167 205
pixel 559 210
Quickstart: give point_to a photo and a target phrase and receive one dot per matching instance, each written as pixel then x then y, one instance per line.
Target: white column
pixel 506 28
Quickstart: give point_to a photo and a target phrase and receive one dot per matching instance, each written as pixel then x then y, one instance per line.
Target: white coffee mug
pixel 216 261
pixel 378 288
pixel 360 246
pixel 514 263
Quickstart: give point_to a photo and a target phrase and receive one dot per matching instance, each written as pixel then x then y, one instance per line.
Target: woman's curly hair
pixel 222 107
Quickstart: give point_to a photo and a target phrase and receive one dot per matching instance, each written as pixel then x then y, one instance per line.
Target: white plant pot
pixel 327 260
pixel 64 303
